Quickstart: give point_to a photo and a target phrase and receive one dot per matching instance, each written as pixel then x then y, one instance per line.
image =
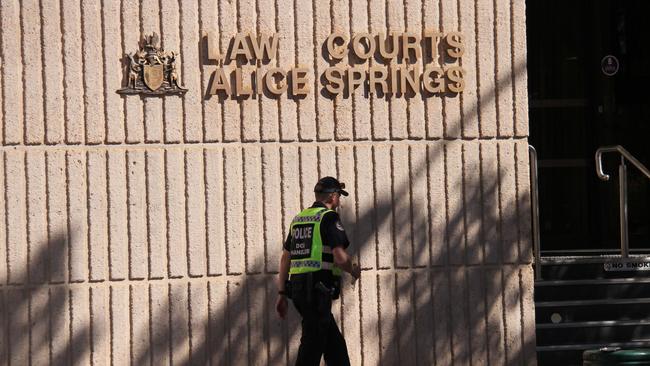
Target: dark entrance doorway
pixel 575 107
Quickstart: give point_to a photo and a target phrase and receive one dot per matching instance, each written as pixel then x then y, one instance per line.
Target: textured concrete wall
pixel 149 230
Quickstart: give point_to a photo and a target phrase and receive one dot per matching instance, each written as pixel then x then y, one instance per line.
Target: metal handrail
pixel 534 202
pixel 624 153
pixel 622 187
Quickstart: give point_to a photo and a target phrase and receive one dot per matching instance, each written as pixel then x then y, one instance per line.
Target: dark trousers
pixel 320 334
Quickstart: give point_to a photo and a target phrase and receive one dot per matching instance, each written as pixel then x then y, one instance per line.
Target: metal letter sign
pixel 151 70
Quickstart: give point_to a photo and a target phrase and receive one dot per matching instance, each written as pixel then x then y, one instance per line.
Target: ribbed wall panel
pixel 160 333
pixel 190 68
pixel 176 206
pixel 401 206
pixel 16 217
pixel 80 334
pixel 118 236
pixel 97 215
pixel 150 230
pixel 17 306
pixel 323 27
pixel 112 50
pixel 475 277
pixel 519 74
pixel 153 122
pixel 136 214
pixel 33 72
pixel 437 204
pixel 505 113
pixel 133 108
pixel 59 317
pixel 383 205
pixel 345 169
pixel 454 203
pixel 3 222
pixel 485 69
pixel 215 219
pixel 73 73
pixel 387 318
pixel 490 201
pixel 494 317
pixel 460 342
pixel 508 202
pixel 366 237
pixel 452 119
pixel 140 318
pixel 195 196
pixel 472 203
pixel 168 200
pixel 397 106
pixel 469 99
pixel 156 214
pixel 441 293
pixel 77 187
pixel 101 321
pixel 523 205
pixel 254 210
pixel 121 325
pixel 415 108
pixel 170 40
pixel 344 121
pixel 39 329
pixel 93 72
pixel 250 111
pixel 56 251
pixel 12 70
pixel 209 24
pixel 314 162
pixel 36 215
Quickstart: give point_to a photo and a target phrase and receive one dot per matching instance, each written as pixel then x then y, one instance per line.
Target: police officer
pixel 314 255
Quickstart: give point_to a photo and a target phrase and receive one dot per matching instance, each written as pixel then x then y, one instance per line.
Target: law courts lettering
pixel 246 81
pixel 249 68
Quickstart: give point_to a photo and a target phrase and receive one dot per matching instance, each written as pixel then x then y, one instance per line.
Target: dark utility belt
pixel 305 284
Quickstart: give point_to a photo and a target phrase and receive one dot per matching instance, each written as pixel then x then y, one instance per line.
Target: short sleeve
pixel 333 232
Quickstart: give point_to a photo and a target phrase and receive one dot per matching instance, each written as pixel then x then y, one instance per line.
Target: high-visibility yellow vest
pixel 306 246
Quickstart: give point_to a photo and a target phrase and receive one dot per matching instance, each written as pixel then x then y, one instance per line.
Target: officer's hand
pixel 356 271
pixel 281 306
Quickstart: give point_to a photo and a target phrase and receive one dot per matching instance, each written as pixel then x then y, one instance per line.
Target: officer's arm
pixel 283 271
pixel 343 261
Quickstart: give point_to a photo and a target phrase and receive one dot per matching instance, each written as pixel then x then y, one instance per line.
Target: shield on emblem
pixel 153 76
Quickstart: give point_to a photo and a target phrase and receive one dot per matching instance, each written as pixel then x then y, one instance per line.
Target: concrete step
pixel 571 354
pixel 592 324
pixel 568 334
pixel 592 289
pixel 592 310
pixel 580 306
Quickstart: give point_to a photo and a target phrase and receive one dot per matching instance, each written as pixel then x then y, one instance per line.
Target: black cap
pixel 330 185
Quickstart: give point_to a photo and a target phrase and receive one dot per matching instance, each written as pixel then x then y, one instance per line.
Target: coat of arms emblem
pixel 151 70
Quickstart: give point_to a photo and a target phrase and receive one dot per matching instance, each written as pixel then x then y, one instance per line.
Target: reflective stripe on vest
pixel 312 264
pixel 306 246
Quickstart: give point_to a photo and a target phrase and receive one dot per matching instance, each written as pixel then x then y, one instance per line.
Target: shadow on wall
pixel 480 317
pixel 50 307
pixel 228 326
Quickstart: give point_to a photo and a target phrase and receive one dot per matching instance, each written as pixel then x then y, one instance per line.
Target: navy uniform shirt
pixel 331 231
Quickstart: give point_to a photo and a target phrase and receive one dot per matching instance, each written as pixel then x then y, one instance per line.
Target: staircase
pixel 579 306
